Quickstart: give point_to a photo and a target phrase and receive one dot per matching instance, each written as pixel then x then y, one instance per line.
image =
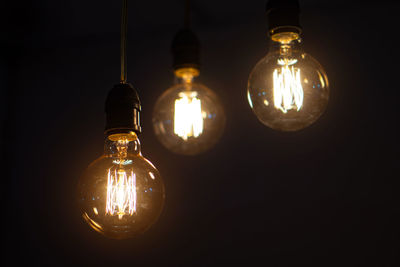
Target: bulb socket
pixel 283 16
pixel 186 50
pixel 122 109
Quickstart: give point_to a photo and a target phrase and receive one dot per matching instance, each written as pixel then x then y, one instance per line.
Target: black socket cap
pixel 122 109
pixel 186 50
pixel 283 15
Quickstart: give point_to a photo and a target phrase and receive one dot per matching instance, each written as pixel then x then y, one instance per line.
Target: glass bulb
pixel 188 118
pixel 288 90
pixel 121 194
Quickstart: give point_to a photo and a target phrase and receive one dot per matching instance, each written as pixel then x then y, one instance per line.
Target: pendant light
pixel 188 118
pixel 121 194
pixel 288 89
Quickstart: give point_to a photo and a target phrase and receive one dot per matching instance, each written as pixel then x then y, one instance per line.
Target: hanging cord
pixel 187 14
pixel 124 29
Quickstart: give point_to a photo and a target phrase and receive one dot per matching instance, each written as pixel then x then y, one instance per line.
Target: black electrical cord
pixel 187 14
pixel 124 29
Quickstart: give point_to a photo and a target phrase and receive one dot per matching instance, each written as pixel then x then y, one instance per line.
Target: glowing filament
pixel 188 120
pixel 288 92
pixel 121 193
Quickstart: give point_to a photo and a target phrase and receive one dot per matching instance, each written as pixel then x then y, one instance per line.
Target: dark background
pixel 323 196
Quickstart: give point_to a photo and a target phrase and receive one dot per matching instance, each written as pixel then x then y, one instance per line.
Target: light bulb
pixel 188 118
pixel 288 89
pixel 121 194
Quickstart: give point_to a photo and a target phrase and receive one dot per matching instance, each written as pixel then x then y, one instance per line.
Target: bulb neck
pixel 286 38
pixel 186 75
pixel 285 49
pixel 122 145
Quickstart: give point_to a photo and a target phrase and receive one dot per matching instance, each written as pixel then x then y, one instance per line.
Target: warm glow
pixel 288 92
pixel 188 119
pixel 187 74
pixel 121 193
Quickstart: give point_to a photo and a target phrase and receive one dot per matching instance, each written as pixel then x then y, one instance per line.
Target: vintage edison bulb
pixel 188 118
pixel 121 194
pixel 288 89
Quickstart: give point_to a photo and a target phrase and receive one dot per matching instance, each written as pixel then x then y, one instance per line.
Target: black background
pixel 323 196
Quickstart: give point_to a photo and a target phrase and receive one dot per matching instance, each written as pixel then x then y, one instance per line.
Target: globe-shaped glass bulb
pixel 188 118
pixel 288 89
pixel 121 194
